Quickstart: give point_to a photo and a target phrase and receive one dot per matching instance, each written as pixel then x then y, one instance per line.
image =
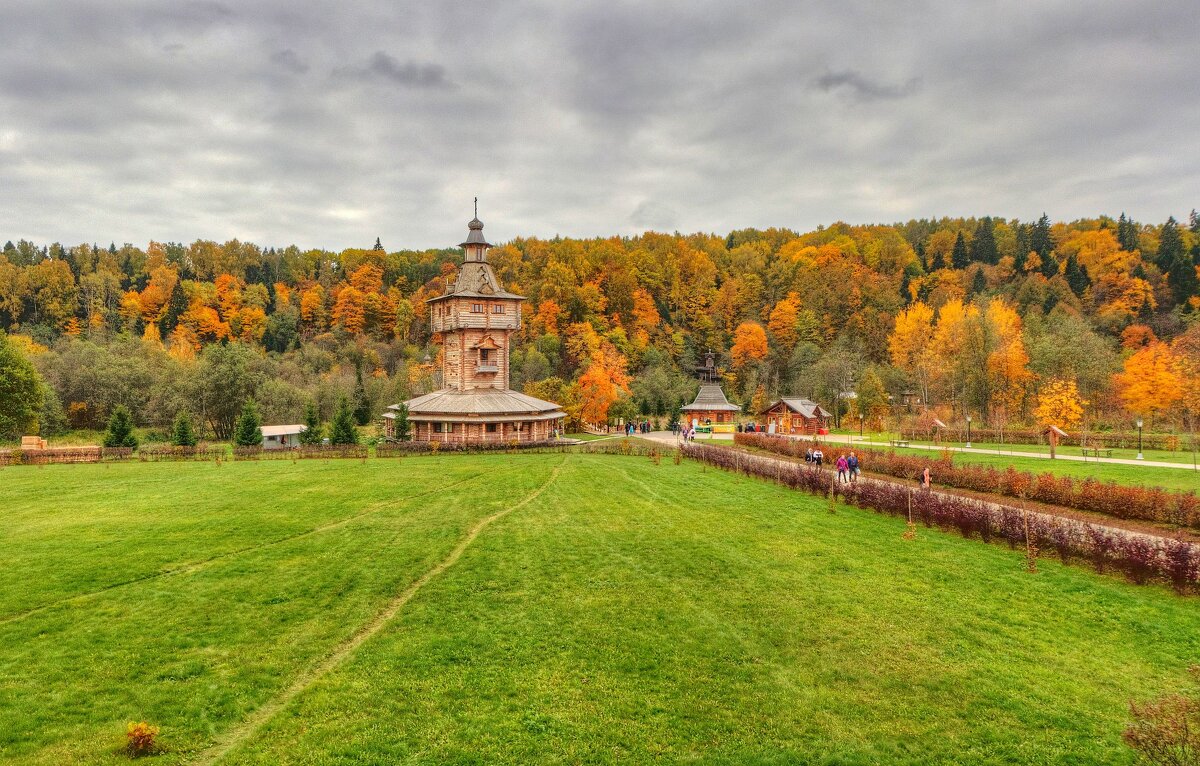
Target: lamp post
pixel 860 425
pixel 968 431
pixel 1139 425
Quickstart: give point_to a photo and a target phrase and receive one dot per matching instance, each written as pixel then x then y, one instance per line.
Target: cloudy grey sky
pixel 327 124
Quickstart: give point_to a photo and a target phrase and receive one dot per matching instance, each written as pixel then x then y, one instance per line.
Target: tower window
pixel 476 308
pixel 484 353
pixel 498 308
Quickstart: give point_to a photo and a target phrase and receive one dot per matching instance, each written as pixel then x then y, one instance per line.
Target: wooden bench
pixel 1095 451
pixel 898 442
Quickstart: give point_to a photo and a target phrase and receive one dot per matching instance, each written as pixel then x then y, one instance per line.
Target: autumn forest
pixel 1089 322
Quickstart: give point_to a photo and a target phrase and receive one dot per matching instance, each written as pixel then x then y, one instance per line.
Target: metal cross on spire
pixel 476 207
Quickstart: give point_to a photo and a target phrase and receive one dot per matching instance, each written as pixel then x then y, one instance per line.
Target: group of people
pixel 632 428
pixel 848 466
pixel 687 433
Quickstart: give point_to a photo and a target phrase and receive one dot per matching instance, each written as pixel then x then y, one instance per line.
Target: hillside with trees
pixel 1014 322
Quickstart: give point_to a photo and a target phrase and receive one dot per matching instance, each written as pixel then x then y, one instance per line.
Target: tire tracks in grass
pixel 194 566
pixel 239 733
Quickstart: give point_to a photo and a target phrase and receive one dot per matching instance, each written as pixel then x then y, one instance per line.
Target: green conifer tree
pixel 1127 234
pixel 248 431
pixel 120 429
pixel 403 427
pixel 342 430
pixel 362 407
pixel 958 259
pixel 313 432
pixel 983 244
pixel 938 263
pixel 1170 245
pixel 978 282
pixel 183 433
pixel 1182 278
pixel 1040 239
pixel 1076 275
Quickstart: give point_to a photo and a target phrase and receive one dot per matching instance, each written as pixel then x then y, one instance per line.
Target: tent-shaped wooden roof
pixel 710 398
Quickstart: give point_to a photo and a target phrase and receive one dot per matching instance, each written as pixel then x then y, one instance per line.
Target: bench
pixel 1095 451
pixel 898 442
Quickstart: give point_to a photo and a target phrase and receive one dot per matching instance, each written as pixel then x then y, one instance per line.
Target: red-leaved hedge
pixel 1121 501
pixel 1141 558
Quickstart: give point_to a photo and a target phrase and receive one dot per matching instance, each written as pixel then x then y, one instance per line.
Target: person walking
pixel 843 465
pixel 808 455
pixel 926 478
pixel 852 464
pixel 818 456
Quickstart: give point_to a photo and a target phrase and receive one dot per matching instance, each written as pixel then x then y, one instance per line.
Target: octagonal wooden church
pixel 475 321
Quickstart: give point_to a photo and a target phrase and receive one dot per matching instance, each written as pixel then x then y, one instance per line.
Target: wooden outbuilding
pixel 795 417
pixel 710 408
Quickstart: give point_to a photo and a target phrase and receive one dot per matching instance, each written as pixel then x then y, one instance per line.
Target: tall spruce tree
pixel 183 433
pixel 1182 278
pixel 120 429
pixel 403 427
pixel 1021 251
pixel 248 431
pixel 313 432
pixel 1040 239
pixel 958 258
pixel 983 244
pixel 1076 275
pixel 922 257
pixel 342 430
pixel 362 407
pixel 1170 245
pixel 1127 234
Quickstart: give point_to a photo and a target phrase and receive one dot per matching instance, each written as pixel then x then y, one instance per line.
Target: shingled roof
pixel 710 398
pixel 486 404
pixel 804 407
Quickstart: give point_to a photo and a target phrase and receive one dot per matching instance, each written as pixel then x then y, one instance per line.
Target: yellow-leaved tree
pixel 749 344
pixel 910 344
pixel 1059 404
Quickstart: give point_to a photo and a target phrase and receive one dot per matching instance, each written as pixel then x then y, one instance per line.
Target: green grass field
pixel 1150 476
pixel 612 611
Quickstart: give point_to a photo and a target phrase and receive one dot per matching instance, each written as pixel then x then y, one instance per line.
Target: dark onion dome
pixel 476 235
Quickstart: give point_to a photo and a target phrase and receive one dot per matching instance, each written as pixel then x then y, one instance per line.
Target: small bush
pixel 1166 731
pixel 141 739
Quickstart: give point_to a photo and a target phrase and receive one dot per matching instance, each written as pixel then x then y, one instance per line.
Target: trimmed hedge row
pixel 1107 439
pixel 1141 558
pixel 306 452
pixel 1120 501
pixel 180 454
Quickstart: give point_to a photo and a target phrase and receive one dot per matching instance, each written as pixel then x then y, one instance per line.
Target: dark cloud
pixel 289 60
pixel 410 74
pixel 137 119
pixel 863 88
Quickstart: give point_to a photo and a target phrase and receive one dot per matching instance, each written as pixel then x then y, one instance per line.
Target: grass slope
pixel 630 612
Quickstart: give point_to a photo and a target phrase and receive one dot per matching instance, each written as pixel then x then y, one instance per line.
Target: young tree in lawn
pixel 342 430
pixel 21 392
pixel 183 433
pixel 403 427
pixel 248 432
pixel 120 429
pixel 313 432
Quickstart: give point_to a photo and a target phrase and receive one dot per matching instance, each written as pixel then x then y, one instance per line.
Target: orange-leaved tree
pixel 1150 381
pixel 749 344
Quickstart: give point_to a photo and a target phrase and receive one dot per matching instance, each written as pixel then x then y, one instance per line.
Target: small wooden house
pixel 282 437
pixel 795 417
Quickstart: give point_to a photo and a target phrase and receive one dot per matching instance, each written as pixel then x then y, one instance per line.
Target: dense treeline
pixel 1014 322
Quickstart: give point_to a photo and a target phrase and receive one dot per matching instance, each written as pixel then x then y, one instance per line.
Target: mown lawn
pixel 629 613
pixel 1150 476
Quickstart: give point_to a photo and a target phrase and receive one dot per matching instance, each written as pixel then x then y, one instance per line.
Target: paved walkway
pixel 666 437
